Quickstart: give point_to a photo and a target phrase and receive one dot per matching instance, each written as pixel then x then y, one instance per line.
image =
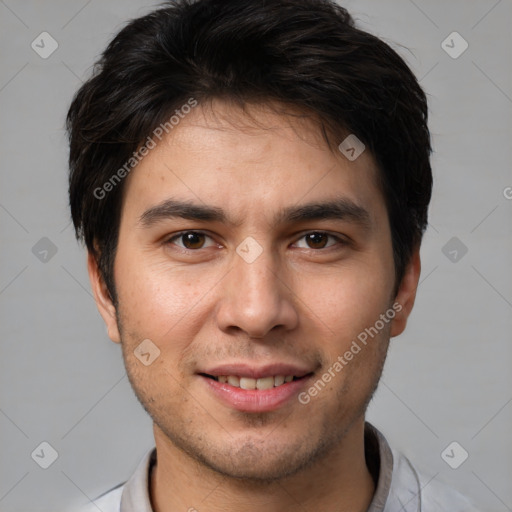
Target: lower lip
pixel 249 400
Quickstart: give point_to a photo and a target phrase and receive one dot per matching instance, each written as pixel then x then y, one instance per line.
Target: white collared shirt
pixel 400 488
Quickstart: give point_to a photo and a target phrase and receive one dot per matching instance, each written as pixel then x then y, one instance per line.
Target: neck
pixel 340 481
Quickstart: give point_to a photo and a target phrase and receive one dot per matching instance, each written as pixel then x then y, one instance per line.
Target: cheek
pixel 156 302
pixel 349 299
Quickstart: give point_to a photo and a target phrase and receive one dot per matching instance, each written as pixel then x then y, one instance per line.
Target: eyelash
pixel 339 240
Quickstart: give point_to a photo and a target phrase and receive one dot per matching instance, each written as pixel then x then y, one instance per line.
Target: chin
pixel 258 466
pixel 257 459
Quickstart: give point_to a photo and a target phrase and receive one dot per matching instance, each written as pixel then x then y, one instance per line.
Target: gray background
pixel 447 378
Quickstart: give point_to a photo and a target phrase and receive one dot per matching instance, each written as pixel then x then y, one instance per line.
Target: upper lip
pixel 255 372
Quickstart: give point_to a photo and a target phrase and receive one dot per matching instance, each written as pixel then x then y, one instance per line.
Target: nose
pixel 256 298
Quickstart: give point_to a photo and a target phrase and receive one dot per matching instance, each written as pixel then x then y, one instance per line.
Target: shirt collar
pixel 377 452
pixel 135 497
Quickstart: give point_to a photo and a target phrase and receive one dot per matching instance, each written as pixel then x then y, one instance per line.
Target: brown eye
pixel 316 240
pixel 192 240
pixel 320 240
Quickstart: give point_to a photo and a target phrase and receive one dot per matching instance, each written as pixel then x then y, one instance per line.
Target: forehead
pixel 254 158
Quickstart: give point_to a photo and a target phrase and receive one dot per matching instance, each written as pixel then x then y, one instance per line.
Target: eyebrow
pixel 337 209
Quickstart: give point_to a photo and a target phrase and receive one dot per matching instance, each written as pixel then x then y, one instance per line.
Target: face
pixel 249 253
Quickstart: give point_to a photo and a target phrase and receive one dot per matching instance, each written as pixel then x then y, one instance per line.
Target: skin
pixel 295 303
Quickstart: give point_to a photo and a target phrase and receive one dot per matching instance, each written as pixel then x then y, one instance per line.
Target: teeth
pixel 247 383
pixel 278 380
pixel 234 381
pixel 265 383
pixel 251 384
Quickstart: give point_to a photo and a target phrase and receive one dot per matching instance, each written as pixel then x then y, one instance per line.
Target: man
pixel 252 179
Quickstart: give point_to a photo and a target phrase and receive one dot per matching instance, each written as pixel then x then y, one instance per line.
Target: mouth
pixel 248 389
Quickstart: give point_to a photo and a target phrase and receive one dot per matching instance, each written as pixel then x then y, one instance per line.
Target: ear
pixel 406 293
pixel 102 297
